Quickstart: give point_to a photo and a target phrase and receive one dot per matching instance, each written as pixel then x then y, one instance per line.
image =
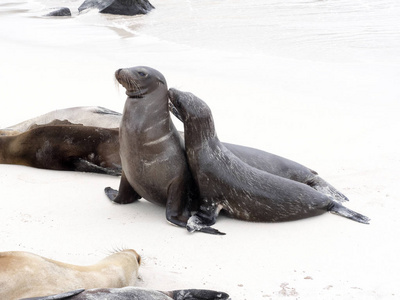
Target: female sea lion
pixel 227 183
pixel 23 274
pixel 152 156
pixel 95 116
pixel 64 147
pixel 129 293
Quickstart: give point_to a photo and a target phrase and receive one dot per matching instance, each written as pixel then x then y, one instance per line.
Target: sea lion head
pixel 140 81
pixel 194 113
pixel 188 107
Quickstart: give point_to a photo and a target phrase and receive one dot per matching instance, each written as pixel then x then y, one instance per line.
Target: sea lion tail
pixel 339 209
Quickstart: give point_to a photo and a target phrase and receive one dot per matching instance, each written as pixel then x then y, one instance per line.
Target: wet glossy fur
pixel 227 182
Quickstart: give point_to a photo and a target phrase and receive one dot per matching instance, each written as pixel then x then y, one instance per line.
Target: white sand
pixel 340 119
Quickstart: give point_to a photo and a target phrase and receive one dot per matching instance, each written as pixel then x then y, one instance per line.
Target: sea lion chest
pixel 151 153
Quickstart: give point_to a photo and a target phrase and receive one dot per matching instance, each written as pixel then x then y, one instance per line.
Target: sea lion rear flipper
pixel 125 194
pixel 66 295
pixel 193 294
pixel 338 209
pixel 324 187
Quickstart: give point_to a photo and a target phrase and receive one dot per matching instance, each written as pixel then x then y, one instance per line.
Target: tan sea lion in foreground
pixel 23 274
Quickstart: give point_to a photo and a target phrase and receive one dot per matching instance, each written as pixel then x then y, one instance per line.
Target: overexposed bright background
pixel 313 81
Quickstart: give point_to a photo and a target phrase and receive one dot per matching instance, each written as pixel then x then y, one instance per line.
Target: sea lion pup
pixel 96 116
pixel 129 293
pixel 152 156
pixel 64 147
pixel 227 183
pixel 23 274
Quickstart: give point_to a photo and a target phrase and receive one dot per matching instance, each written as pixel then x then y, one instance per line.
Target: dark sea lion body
pixel 64 147
pixel 284 168
pixel 225 182
pixel 129 293
pixel 152 155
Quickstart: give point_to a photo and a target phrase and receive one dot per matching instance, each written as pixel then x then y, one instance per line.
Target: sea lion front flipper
pixel 66 295
pixel 194 294
pixel 125 194
pixel 178 203
pixel 205 217
pixel 84 165
pixel 196 223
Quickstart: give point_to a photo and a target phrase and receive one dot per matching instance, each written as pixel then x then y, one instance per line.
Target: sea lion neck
pixel 147 114
pixel 199 130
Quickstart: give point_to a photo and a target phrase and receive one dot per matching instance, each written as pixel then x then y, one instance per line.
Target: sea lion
pixel 277 165
pixel 64 146
pixel 95 116
pixel 152 156
pixel 106 118
pixel 23 274
pixel 227 183
pixel 129 293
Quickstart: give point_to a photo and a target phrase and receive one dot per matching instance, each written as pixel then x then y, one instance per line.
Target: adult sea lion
pixel 64 146
pixel 227 183
pixel 23 274
pixel 152 156
pixel 96 116
pixel 105 118
pixel 129 293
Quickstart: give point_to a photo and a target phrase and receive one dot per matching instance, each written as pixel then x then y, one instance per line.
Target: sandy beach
pixel 339 118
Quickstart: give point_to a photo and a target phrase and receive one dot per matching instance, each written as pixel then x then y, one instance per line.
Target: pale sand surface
pixel 337 118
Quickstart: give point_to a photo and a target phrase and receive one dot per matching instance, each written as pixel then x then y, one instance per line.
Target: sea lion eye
pixel 143 74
